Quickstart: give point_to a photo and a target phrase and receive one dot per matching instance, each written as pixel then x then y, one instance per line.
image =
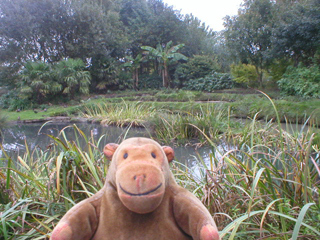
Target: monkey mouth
pixel 140 194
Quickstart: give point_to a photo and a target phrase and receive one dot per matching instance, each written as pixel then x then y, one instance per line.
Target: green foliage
pixel 12 101
pixel 263 184
pixel 197 67
pixel 72 76
pixel 297 32
pixel 46 30
pixel 278 68
pixel 41 81
pixel 198 37
pixel 248 35
pixel 3 123
pixel 165 55
pixel 301 81
pixel 43 185
pixel 211 82
pixel 182 127
pixel 265 170
pixel 134 65
pixel 152 81
pixel 37 82
pixel 245 74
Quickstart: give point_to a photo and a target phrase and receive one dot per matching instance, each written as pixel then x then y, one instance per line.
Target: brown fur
pixel 140 200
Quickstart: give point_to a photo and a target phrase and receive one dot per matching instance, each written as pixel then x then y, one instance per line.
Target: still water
pixel 35 135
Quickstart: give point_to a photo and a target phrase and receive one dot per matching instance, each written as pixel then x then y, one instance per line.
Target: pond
pixel 36 136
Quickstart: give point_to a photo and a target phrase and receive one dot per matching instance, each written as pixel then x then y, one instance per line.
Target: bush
pixel 301 81
pixel 215 81
pixel 197 67
pixel 245 73
pixel 12 101
pixel 153 81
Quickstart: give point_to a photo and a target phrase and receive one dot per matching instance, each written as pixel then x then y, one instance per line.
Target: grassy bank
pixel 265 188
pixel 242 103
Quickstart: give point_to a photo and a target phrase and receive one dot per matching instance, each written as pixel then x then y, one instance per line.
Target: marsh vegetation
pixel 266 187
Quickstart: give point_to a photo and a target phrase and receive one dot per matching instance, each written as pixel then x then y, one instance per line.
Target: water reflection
pixel 36 136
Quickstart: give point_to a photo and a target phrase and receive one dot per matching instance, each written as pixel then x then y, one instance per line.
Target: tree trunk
pixel 137 78
pixel 165 76
pixel 260 75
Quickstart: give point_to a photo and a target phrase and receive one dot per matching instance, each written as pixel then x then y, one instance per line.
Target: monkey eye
pixel 153 155
pixel 125 155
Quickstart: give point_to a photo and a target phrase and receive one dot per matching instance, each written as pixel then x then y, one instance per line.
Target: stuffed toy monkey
pixel 140 200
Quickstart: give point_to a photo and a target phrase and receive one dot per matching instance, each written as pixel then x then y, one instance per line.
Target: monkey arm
pixel 80 222
pixel 193 218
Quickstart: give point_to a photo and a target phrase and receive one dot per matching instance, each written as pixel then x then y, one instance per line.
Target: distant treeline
pixel 148 44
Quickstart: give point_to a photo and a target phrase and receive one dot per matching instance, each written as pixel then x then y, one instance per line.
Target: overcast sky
pixel 209 11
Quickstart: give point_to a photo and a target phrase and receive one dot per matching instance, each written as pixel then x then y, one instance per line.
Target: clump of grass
pixel 179 126
pixel 168 126
pixel 122 114
pixel 267 187
pixel 42 185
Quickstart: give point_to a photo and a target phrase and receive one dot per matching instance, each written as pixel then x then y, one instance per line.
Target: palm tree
pixel 134 64
pixel 165 55
pixel 72 76
pixel 37 81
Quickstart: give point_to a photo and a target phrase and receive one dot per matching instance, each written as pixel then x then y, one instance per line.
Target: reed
pixel 266 187
pixel 120 114
pixel 169 124
pixel 40 186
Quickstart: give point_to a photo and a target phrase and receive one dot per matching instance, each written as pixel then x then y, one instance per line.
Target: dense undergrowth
pixel 267 187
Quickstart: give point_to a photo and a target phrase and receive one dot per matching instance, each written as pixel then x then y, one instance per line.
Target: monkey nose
pixel 139 177
pixel 139 181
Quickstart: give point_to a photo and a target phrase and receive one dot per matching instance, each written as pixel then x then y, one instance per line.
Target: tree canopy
pixel 110 37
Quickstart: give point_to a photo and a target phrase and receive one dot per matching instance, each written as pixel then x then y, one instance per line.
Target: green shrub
pixel 215 81
pixel 153 81
pixel 12 101
pixel 197 67
pixel 301 81
pixel 244 73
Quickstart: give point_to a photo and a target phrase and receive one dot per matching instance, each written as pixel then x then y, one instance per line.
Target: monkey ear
pixel 109 150
pixel 169 152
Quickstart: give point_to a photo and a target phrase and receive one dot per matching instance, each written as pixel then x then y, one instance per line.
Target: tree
pixel 248 35
pixel 104 71
pixel 297 32
pixel 198 38
pixel 50 30
pixel 244 73
pixel 166 24
pixel 165 55
pixel 72 76
pixel 37 82
pixel 134 64
pixel 137 18
pixel 197 67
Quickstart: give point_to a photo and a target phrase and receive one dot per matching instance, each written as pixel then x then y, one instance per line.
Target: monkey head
pixel 140 172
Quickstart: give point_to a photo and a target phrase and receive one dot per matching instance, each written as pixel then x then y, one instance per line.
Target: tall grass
pixel 178 126
pixel 120 114
pixel 40 186
pixel 168 126
pixel 267 187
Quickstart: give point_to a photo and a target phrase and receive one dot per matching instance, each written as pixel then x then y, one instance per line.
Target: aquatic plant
pixel 267 187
